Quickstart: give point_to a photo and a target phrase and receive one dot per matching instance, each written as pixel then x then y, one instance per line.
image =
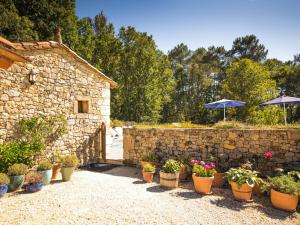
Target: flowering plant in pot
pixel 242 181
pixel 148 172
pixel 4 181
pixel 220 170
pixel 16 174
pixel 169 175
pixel 56 162
pixel 45 170
pixel 203 175
pixel 185 166
pixel 260 164
pixel 34 182
pixel 148 159
pixel 284 192
pixel 69 163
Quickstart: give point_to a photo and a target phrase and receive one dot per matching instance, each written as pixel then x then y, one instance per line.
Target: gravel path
pixel 119 196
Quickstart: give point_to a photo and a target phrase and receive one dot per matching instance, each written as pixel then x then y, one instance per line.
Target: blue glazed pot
pixel 3 190
pixel 46 176
pixel 15 182
pixel 34 187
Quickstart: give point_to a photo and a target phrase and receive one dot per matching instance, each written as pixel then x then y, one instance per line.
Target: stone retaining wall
pixel 233 144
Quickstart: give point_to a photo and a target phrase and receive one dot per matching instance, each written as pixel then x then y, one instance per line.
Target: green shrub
pixel 149 168
pixel 242 176
pixel 283 184
pixel 149 158
pixel 171 166
pixel 33 177
pixel 44 165
pixel 56 157
pixel 43 129
pixel 117 123
pixel 295 175
pixel 4 179
pixel 70 161
pixel 18 152
pixel 17 169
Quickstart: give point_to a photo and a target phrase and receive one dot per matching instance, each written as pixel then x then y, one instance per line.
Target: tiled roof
pixel 25 46
pixel 36 45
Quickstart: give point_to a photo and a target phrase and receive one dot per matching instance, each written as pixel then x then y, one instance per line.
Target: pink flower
pixel 268 155
pixel 202 163
pixel 212 165
pixel 207 167
pixel 194 161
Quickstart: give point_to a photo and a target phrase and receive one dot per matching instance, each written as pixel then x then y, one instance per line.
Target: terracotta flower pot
pixel 148 176
pixel 242 193
pixel 169 180
pixel 218 180
pixel 16 182
pixel 67 173
pixel 203 184
pixel 143 163
pixel 284 201
pixel 55 170
pixel 183 173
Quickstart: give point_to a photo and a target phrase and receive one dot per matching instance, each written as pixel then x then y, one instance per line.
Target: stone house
pixel 48 78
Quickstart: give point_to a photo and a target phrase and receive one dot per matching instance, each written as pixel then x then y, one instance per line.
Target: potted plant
pixel 169 175
pixel 220 171
pixel 34 182
pixel 69 163
pixel 45 170
pixel 148 159
pixel 148 172
pixel 284 192
pixel 185 166
pixel 203 176
pixel 242 181
pixel 16 174
pixel 4 181
pixel 260 164
pixel 56 162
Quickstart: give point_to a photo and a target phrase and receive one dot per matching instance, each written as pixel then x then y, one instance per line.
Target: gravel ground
pixel 118 196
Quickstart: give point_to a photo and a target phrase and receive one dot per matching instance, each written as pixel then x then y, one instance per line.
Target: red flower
pixel 268 155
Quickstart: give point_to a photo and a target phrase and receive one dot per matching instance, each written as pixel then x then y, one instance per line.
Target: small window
pixel 83 106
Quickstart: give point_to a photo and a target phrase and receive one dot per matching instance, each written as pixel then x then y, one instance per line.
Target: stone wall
pixel 61 81
pixel 232 144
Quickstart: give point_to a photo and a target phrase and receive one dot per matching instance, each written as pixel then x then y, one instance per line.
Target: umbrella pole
pixel 224 113
pixel 284 113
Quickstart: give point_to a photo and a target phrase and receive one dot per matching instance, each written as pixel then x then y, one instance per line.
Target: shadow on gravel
pixel 157 189
pixel 56 182
pixel 187 195
pixel 232 204
pixel 276 213
pixel 139 182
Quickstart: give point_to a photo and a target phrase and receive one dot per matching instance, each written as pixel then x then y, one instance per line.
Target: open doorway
pixel 114 144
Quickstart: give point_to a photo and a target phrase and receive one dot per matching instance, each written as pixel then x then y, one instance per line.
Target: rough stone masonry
pixel 233 144
pixel 63 80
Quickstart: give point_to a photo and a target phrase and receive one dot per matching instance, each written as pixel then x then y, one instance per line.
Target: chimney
pixel 58 35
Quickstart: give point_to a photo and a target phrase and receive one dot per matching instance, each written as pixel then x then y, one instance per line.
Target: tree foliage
pixel 158 87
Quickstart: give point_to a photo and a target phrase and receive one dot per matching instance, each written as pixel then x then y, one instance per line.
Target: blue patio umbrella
pixel 283 100
pixel 223 104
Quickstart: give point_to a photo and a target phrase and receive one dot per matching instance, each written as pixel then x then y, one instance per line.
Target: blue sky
pixel 202 23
